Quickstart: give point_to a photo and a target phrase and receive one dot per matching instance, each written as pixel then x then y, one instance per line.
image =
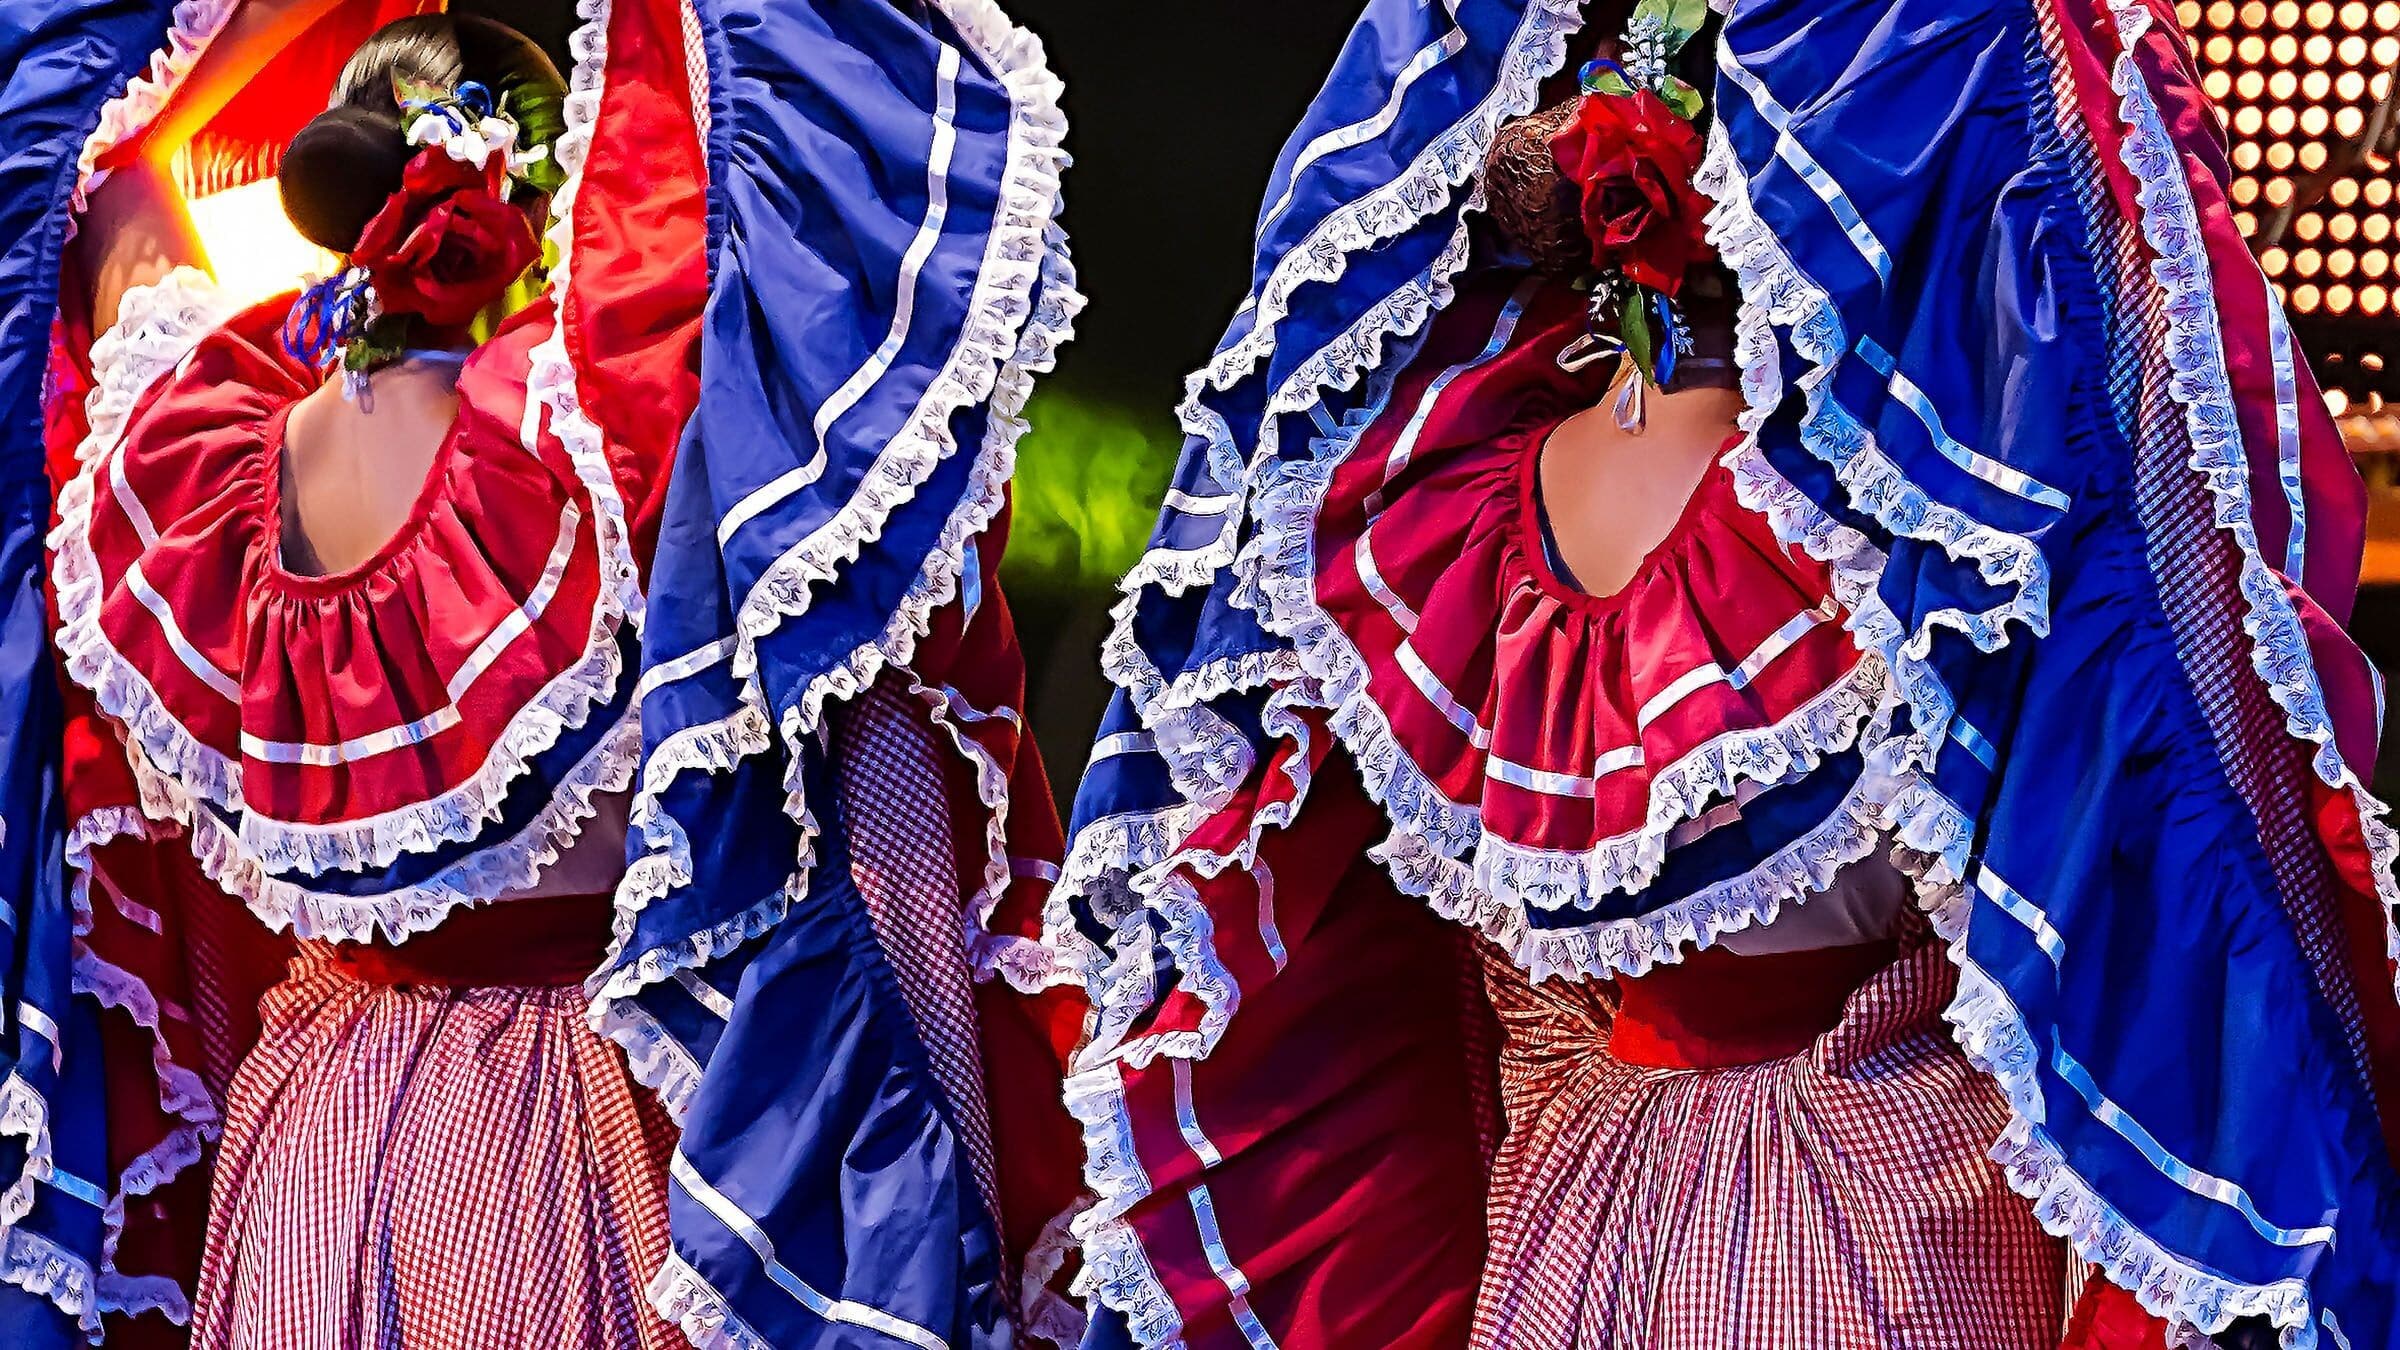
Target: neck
pixel 1699 407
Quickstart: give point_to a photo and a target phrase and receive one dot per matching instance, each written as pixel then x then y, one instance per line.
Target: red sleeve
pixel 635 270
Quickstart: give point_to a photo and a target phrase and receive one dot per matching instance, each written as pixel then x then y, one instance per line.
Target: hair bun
pixel 341 170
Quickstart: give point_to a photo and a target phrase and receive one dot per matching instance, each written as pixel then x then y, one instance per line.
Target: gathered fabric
pixel 432 1166
pixel 1836 1196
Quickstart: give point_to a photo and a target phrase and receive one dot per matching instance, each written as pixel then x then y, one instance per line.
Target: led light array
pixel 2303 87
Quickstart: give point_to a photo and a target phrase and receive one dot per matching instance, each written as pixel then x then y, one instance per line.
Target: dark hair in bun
pixel 346 163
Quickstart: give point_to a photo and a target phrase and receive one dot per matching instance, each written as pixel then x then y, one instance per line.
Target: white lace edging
pixel 477 879
pixel 688 1302
pixel 2201 385
pixel 26 1114
pixel 1536 50
pixel 1434 831
pixel 1992 1033
pixel 1986 1024
pixel 551 379
pixel 1048 1315
pixel 1207 760
pixel 657 1060
pixel 46 1270
pixel 1777 295
pixel 192 28
pixel 1116 1271
pixel 158 327
pixel 181 1091
pixel 181 1094
pixel 1022 310
pixel 69 1281
pixel 1028 966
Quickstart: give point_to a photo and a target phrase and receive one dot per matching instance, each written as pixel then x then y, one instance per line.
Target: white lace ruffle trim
pixel 44 1269
pixel 1988 1026
pixel 30 1259
pixel 1452 159
pixel 1125 865
pixel 551 380
pixel 193 26
pixel 685 1298
pixel 1021 310
pixel 1778 297
pixel 257 859
pixel 2202 386
pixel 1206 757
pixel 81 1289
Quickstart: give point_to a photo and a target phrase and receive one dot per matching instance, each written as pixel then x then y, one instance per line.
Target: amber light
pixel 2299 84
pixel 253 249
pixel 2305 91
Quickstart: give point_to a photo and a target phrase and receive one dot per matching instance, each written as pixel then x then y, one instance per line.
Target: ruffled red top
pixel 1563 740
pixel 342 719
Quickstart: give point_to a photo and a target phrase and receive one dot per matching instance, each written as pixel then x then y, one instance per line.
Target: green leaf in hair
pixel 1602 80
pixel 1633 329
pixel 406 91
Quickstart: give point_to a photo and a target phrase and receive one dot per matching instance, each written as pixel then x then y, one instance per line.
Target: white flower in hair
pixel 464 122
pixel 469 143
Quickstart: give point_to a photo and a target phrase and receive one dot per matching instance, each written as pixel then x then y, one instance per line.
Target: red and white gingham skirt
pixel 1834 1199
pixel 433 1168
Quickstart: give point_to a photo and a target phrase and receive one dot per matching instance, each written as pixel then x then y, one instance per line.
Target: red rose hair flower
pixel 1631 159
pixel 446 246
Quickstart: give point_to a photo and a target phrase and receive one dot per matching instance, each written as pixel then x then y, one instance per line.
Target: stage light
pixel 2298 86
pixel 252 246
pixel 2305 90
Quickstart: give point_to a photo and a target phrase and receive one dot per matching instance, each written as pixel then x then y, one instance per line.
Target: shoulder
pixel 185 365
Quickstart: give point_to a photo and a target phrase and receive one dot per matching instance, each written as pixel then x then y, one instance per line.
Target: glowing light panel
pixel 252 246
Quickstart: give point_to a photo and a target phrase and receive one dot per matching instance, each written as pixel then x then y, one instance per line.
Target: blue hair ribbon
pixel 327 314
pixel 1670 338
pixel 462 107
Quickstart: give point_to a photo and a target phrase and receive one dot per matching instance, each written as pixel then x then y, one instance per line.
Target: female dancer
pixel 1807 540
pixel 355 591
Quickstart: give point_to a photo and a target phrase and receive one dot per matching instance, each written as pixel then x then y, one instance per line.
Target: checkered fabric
pixel 898 816
pixel 1839 1198
pixel 433 1168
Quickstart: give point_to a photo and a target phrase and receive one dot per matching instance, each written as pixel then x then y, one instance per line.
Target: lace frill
pixel 123 119
pixel 1022 309
pixel 2202 387
pixel 1930 829
pixel 183 778
pixel 28 1260
pixel 1427 185
pixel 1122 864
pixel 44 1269
pixel 1777 298
pixel 1172 708
pixel 552 382
pixel 182 1095
pixel 685 1298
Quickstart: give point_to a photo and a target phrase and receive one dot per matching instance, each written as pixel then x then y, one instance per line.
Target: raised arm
pixel 136 228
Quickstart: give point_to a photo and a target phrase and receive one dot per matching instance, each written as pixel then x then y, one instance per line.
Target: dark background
pixel 1176 111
